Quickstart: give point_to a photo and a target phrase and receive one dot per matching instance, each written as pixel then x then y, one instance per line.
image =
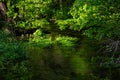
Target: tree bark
pixel 3 11
pixel 60 1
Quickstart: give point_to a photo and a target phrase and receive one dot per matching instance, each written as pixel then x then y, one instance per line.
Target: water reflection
pixel 58 63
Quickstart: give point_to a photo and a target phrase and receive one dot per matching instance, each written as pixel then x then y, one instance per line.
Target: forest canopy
pixel 95 18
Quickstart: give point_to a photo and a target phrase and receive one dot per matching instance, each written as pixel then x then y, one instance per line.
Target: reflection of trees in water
pixel 75 63
pixel 58 63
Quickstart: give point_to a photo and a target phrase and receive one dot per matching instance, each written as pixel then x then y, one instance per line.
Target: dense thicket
pixel 67 35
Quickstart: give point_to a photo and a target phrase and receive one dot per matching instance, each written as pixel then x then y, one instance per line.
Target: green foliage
pixel 98 17
pixel 66 41
pixel 28 13
pixel 36 14
pixel 40 40
pixel 13 60
pixel 3 36
pixel 63 24
pixel 44 41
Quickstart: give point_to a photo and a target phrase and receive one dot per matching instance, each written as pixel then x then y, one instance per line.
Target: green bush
pixel 13 60
pixel 66 41
pixel 40 40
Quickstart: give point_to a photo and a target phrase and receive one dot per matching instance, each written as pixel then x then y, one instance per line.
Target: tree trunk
pixel 3 11
pixel 60 1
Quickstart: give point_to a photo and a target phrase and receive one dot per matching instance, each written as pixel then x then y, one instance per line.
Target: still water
pixel 61 63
